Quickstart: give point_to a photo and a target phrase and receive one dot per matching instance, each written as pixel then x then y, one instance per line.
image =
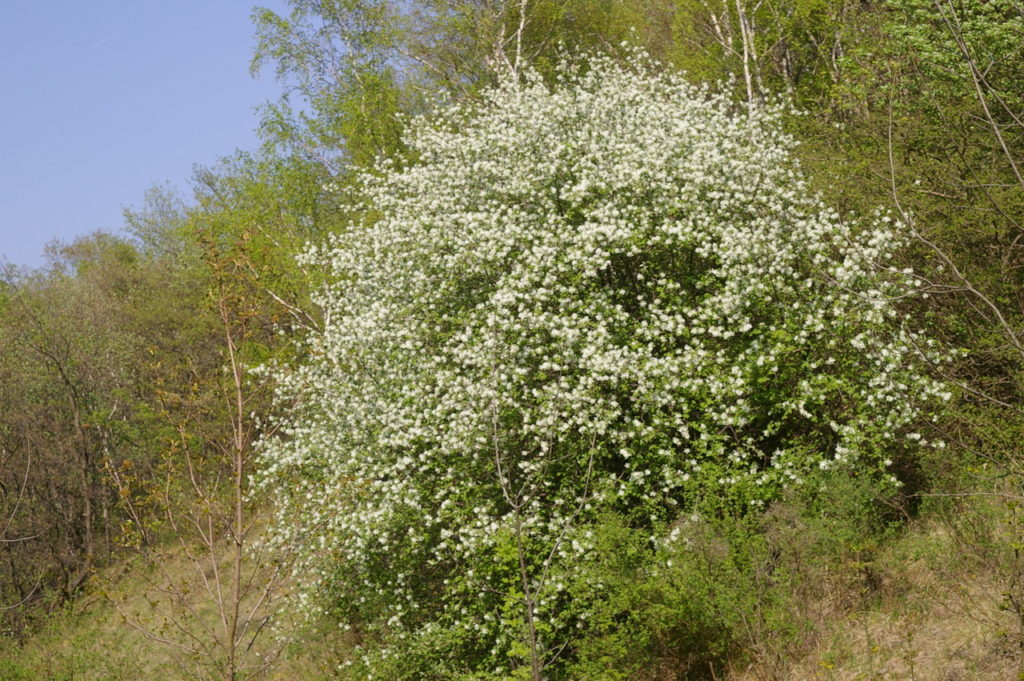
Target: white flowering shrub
pixel 607 296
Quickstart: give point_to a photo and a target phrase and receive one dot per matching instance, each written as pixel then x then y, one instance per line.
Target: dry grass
pixel 91 639
pixel 931 606
pixel 934 613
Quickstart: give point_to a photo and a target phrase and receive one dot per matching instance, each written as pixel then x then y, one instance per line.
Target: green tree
pixel 361 65
pixel 795 47
pixel 237 243
pixel 78 418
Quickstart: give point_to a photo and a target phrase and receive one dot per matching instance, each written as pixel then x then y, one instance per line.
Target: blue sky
pixel 101 100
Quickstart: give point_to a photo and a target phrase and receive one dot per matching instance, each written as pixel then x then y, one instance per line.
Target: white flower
pixel 572 295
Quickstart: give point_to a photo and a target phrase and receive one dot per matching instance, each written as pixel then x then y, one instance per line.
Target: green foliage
pixel 725 588
pixel 79 436
pixel 790 46
pixel 255 213
pixel 659 608
pixel 335 56
pixel 358 67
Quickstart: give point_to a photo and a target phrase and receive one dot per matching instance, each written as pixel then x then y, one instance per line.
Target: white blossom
pixel 604 295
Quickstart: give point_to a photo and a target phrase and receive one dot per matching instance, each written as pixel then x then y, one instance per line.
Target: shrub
pixel 613 295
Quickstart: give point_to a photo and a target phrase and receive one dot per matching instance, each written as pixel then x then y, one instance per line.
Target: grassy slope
pixel 930 605
pixel 935 610
pixel 91 639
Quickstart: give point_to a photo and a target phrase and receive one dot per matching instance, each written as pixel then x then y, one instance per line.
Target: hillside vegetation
pixel 546 339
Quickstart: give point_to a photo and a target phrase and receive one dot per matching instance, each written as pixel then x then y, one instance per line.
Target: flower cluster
pixel 608 295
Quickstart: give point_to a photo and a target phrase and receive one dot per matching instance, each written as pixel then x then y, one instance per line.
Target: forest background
pixel 129 417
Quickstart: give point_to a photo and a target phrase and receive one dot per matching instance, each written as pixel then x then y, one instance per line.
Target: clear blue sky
pixel 100 100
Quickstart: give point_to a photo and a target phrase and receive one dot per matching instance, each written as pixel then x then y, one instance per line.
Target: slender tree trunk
pixel 529 602
pixel 237 534
pixel 745 37
pixel 85 472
